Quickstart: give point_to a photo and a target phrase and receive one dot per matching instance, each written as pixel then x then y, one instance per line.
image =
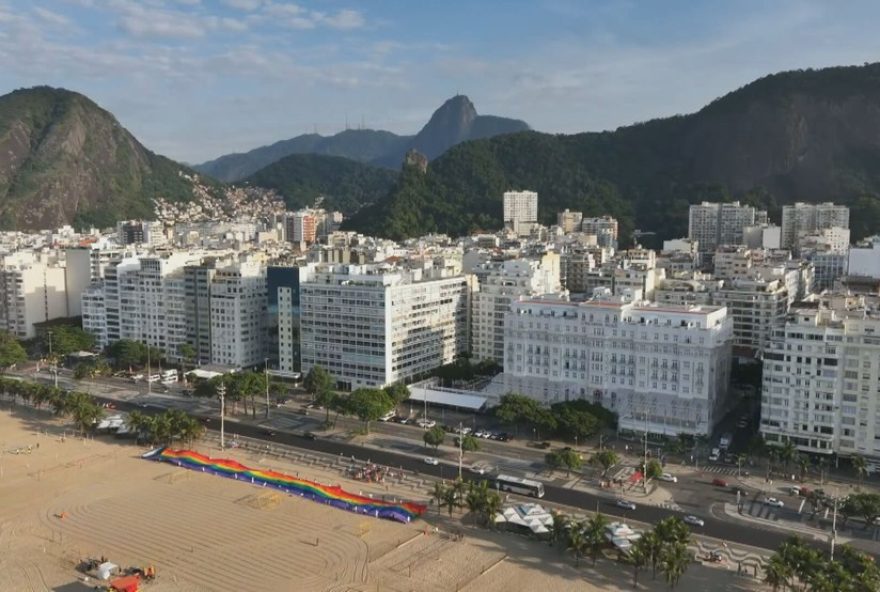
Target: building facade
pixel 238 315
pixel 373 325
pixel 661 369
pixel 715 224
pixel 520 210
pixel 801 219
pixel 821 380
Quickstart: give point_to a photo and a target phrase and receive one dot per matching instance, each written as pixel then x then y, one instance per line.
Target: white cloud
pixel 52 18
pixel 246 5
pixel 344 19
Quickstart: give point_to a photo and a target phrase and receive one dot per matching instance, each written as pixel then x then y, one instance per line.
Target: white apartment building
pixel 94 313
pixel 762 236
pixel 664 369
pixel 374 325
pixel 715 224
pixel 604 228
pixel 238 315
pixel 520 211
pixel 822 379
pixel 802 219
pixel 147 232
pixel 757 307
pixel 499 284
pixel 864 258
pixel 33 289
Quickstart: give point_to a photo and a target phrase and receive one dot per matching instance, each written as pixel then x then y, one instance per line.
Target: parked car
pixel 481 433
pixel 694 520
pixel 772 501
pixel 310 436
pixel 426 423
pixel 794 490
pixel 268 432
pixel 719 482
pixel 625 504
pixel 480 469
pixel 430 460
pixel 669 477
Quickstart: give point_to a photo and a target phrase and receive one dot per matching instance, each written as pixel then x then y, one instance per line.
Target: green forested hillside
pixel 345 184
pixel 796 136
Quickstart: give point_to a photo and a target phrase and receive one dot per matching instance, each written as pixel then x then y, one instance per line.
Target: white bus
pixel 519 485
pixel 169 376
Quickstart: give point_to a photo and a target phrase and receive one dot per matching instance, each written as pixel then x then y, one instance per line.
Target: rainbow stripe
pixel 327 494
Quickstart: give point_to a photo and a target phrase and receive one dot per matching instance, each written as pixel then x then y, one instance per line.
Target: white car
pixel 430 460
pixel 776 503
pixel 669 477
pixel 482 434
pixel 626 504
pixel 480 469
pixel 693 520
pixel 426 423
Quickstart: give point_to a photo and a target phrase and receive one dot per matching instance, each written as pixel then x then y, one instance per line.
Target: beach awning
pixel 436 397
pixel 126 584
pixel 107 569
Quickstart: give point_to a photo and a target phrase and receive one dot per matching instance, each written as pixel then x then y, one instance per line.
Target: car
pixel 268 432
pixel 504 437
pixel 742 424
pixel 794 490
pixel 625 504
pixel 387 417
pixel 668 477
pixel 479 469
pixel 772 501
pixel 430 460
pixel 309 436
pixel 719 482
pixel 426 423
pixel 463 430
pixel 694 520
pixel 481 433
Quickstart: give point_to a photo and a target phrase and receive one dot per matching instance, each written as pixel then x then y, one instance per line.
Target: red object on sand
pixel 126 584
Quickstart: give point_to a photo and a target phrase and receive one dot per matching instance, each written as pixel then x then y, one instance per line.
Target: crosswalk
pixel 719 470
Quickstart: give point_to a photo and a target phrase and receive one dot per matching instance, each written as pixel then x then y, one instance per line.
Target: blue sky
pixel 194 79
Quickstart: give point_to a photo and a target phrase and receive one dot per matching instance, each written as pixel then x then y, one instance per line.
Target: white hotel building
pixel 373 325
pixel 664 369
pixel 822 379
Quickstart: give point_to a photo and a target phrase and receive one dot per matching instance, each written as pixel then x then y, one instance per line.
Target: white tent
pixel 107 569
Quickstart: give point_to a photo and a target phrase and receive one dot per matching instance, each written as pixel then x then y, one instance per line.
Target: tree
pixel 573 422
pixel 653 470
pixel 369 405
pixel 519 409
pixel 127 353
pixel 776 573
pixel 605 459
pixel 469 443
pixel 434 437
pixel 595 534
pixel 576 542
pixel 317 380
pixel 452 496
pixel 788 453
pixel 187 355
pixel 482 501
pixel 860 467
pixel 566 458
pixel 674 562
pixel 559 528
pixel 638 557
pixel 653 545
pixel 11 351
pixel 398 392
pixel 67 339
pixel 866 505
pixel 438 494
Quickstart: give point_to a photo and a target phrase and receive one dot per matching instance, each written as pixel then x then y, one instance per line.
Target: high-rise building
pixel 864 258
pixel 500 283
pixel 821 379
pixel 32 290
pixel 604 228
pixel 371 326
pixel 520 211
pixel 283 314
pixel 302 226
pixel 715 224
pixel 132 232
pixel 661 369
pixel 757 307
pixel 198 279
pixel 238 315
pixel 801 219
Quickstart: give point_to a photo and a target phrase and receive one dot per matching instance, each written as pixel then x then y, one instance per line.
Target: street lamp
pixel 52 358
pixel 221 392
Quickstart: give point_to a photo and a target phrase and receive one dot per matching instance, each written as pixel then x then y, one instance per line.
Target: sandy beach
pixel 70 498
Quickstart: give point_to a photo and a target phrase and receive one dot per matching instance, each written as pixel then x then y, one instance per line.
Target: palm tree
pixel 776 573
pixel 476 498
pixel 576 542
pixel 653 546
pixel 451 499
pixel 561 524
pixel 674 562
pixel 595 534
pixel 638 557
pixel 803 462
pixel 823 467
pixel 788 453
pixel 439 494
pixel 860 466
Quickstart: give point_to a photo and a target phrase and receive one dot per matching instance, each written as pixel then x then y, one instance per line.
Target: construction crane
pixel 637 234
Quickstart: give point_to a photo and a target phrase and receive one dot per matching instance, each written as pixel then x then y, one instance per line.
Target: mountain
pixel 346 185
pixel 359 145
pixel 455 121
pixel 809 135
pixel 65 160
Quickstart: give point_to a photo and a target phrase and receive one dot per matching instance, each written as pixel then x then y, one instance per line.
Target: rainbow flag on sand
pixel 327 494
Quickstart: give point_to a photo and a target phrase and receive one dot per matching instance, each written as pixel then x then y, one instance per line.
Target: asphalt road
pixel 754 535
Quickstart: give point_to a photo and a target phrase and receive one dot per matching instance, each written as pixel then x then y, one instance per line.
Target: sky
pixel 194 79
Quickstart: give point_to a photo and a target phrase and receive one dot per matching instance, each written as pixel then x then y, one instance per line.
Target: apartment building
pixel 757 306
pixel 198 279
pixel 864 258
pixel 520 211
pixel 801 219
pixel 715 224
pixel 302 226
pixel 499 284
pixel 821 378
pixel 283 284
pixel 33 289
pixel 569 221
pixel 373 325
pixel 663 369
pixel 604 228
pixel 146 232
pixel 238 315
